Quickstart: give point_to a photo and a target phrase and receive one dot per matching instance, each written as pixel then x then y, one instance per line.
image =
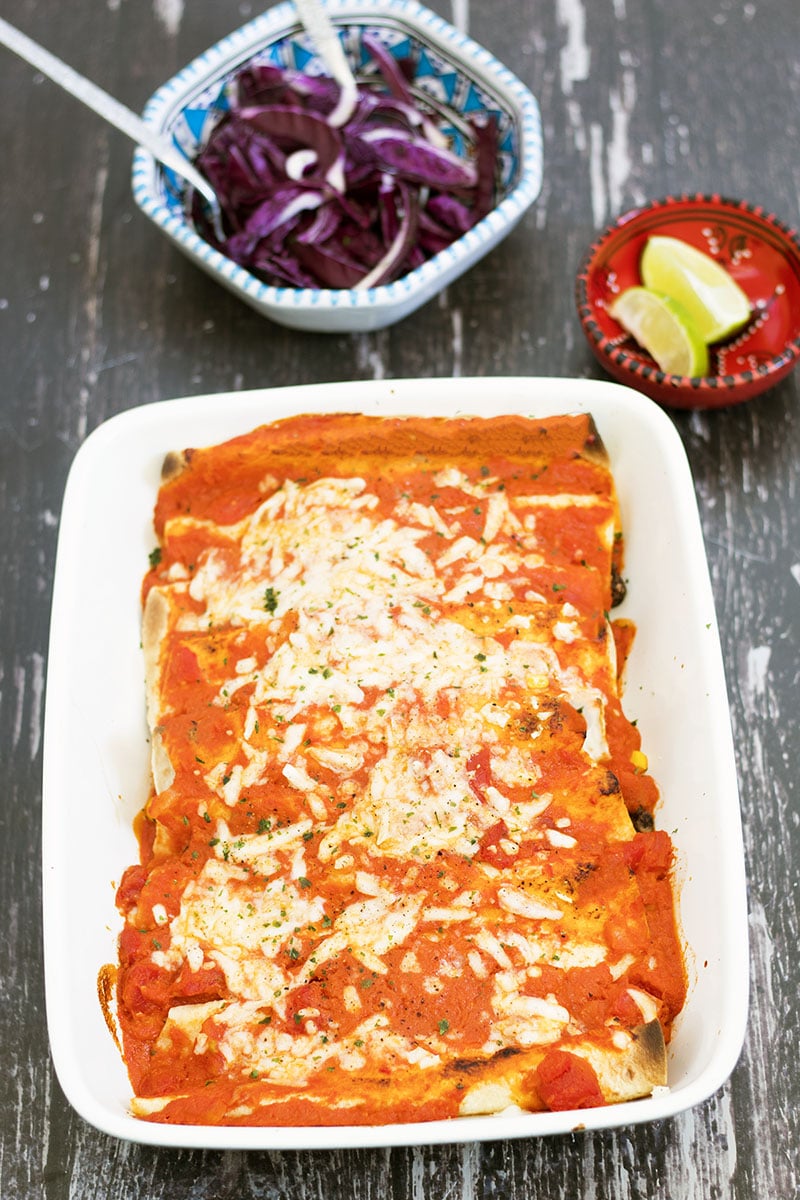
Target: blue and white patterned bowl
pixel 459 78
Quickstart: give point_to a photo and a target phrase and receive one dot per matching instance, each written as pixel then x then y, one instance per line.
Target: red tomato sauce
pixel 577 845
pixel 564 1081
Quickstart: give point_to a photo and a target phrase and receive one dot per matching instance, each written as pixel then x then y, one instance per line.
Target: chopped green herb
pixel 270 599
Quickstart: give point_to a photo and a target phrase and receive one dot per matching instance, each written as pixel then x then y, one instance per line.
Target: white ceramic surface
pixel 460 76
pixel 96 752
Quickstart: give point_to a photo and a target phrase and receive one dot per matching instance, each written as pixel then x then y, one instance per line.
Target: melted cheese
pixel 366 599
pixel 396 684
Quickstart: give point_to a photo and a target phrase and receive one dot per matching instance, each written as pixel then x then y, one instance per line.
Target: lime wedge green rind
pixel 715 303
pixel 664 329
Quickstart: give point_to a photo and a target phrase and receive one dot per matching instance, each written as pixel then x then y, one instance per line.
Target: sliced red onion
pixel 386 268
pixel 398 86
pixel 419 161
pixel 298 163
pixel 310 202
pixel 282 207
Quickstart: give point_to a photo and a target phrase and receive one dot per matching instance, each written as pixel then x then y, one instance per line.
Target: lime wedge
pixel 663 328
pixel 714 301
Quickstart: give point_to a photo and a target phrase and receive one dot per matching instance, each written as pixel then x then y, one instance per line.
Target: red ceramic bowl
pixel 759 251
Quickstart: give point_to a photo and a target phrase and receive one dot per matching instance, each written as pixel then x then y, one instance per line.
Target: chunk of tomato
pixel 565 1081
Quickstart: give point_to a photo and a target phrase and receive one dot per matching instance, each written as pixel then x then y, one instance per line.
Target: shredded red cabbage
pixel 309 205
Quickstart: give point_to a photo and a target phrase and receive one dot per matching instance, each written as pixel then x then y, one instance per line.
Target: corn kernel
pixel 639 761
pixel 537 683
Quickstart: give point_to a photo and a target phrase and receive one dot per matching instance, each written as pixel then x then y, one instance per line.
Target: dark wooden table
pixel 98 313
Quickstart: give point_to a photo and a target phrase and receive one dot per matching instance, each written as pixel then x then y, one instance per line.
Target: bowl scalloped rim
pixel 337 310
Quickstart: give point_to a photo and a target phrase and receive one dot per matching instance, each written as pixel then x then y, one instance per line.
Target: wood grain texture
pixel 98 313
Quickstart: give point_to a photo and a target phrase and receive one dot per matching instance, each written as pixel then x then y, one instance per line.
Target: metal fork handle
pixel 318 24
pixel 104 105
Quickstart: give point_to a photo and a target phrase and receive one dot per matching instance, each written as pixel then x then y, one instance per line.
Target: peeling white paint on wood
pixel 419 1183
pixel 757 667
pixel 170 14
pixel 695 1165
pixel 575 118
pixel 597 174
pixel 622 102
pixel 95 269
pixel 457 320
pixel 766 1029
pixel 470 1170
pixel 575 56
pixel 368 355
pixel 29 694
pixel 19 708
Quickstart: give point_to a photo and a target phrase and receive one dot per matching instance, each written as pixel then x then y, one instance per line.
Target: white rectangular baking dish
pixel 96 752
